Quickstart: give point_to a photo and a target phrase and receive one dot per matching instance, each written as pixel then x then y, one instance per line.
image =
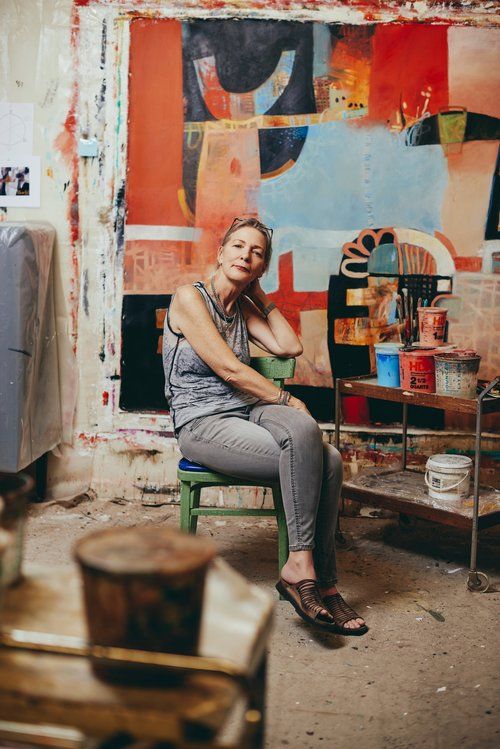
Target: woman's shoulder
pixel 187 292
pixel 189 298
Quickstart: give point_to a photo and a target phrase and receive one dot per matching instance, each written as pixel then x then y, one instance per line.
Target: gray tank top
pixel 192 388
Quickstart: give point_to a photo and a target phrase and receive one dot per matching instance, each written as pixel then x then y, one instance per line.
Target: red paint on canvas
pixel 291 302
pixel 66 144
pixel 155 123
pixel 470 264
pixel 409 68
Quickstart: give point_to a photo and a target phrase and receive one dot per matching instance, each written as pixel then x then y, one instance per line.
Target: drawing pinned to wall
pixel 312 127
pixel 16 129
pixel 19 169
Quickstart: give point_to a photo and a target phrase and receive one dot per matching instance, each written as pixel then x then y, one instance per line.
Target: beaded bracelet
pixel 268 309
pixel 283 397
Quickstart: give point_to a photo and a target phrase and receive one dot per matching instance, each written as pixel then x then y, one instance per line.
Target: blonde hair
pixel 254 223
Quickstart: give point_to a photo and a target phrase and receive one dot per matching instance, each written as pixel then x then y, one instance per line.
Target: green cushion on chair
pixel 273 368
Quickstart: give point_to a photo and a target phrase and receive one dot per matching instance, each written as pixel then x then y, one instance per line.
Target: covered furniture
pixel 30 411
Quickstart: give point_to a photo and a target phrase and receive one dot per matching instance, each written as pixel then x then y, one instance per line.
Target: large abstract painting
pixel 371 150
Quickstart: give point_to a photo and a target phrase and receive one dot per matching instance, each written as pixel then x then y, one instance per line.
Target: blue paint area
pixel 392 312
pixel 322 41
pixel 328 186
pixel 387 367
pixel 266 95
pixel 322 191
pixel 345 179
pixel 316 256
pixel 384 259
pixel 408 184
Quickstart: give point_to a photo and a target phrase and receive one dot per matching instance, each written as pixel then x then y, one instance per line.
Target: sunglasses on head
pixel 256 225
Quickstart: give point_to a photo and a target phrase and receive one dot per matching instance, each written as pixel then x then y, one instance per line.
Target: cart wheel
pixel 407 523
pixel 478 582
pixel 343 542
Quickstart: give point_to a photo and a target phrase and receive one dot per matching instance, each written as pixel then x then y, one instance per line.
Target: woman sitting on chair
pixel 233 420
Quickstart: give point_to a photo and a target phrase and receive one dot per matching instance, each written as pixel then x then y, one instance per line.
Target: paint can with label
pixel 432 325
pixel 387 356
pixel 448 476
pixel 456 373
pixel 417 370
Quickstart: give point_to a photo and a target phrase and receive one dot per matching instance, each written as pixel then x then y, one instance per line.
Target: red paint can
pixel 417 370
pixel 355 409
pixel 432 325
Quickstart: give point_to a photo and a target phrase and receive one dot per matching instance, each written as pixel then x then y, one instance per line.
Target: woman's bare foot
pixel 351 623
pixel 299 566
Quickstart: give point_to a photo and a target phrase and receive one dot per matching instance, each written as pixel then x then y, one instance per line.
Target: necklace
pixel 227 321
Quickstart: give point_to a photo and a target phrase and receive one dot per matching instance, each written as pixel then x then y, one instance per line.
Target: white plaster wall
pixel 52 53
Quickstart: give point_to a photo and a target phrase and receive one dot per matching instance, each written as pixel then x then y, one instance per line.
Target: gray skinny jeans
pixel 278 443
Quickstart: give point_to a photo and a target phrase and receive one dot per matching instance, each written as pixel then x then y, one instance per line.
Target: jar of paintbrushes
pixel 423 330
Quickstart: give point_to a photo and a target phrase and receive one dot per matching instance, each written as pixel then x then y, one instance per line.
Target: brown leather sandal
pixel 343 613
pixel 306 600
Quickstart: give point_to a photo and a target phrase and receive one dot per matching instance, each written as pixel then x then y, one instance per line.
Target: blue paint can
pixel 387 355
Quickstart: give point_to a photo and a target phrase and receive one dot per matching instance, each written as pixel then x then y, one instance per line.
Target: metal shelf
pixel 403 490
pixel 369 387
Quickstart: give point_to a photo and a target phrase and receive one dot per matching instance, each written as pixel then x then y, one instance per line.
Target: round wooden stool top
pixel 144 550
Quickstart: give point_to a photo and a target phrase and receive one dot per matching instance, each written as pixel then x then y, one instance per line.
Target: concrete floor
pixel 426 675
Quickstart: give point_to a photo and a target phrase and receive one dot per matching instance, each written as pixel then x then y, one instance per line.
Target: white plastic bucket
pixel 448 476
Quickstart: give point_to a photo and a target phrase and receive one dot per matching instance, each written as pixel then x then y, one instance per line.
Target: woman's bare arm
pixel 273 333
pixel 190 314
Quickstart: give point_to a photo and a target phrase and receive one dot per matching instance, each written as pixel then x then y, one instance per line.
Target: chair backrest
pixel 275 369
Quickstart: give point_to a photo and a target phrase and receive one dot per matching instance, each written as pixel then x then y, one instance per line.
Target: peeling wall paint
pixel 330 11
pixel 72 60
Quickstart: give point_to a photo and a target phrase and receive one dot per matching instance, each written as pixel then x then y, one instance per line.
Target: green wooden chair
pixel 194 477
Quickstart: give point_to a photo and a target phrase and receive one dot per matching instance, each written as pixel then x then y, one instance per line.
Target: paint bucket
pixel 387 356
pixel 14 490
pixel 431 325
pixel 355 409
pixel 143 589
pixel 456 373
pixel 417 370
pixel 448 476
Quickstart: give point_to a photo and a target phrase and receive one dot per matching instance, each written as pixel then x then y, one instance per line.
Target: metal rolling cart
pixel 403 490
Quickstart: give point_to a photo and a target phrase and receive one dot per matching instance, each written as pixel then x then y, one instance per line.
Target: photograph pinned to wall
pixel 20 182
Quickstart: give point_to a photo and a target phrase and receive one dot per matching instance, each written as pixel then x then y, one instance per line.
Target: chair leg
pixel 185 505
pixel 282 529
pixel 194 501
